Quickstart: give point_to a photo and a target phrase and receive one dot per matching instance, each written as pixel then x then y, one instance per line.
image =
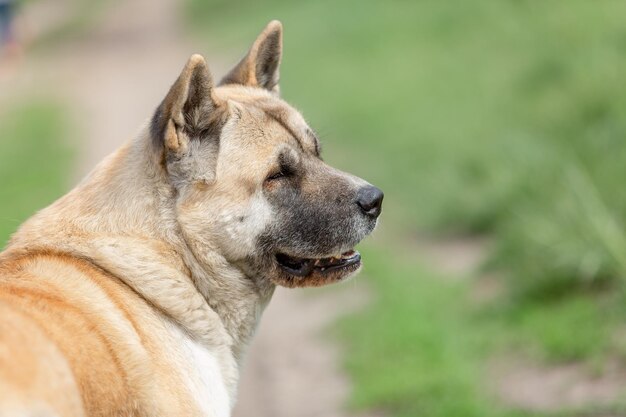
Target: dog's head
pixel 249 179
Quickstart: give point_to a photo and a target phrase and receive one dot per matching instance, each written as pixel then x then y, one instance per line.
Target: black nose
pixel 370 199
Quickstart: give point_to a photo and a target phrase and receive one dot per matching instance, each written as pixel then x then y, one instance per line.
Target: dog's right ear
pixel 189 110
pixel 260 67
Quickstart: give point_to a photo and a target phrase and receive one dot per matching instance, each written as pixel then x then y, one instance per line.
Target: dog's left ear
pixel 189 110
pixel 260 67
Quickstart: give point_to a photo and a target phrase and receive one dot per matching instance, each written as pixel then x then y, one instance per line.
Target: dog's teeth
pixel 348 254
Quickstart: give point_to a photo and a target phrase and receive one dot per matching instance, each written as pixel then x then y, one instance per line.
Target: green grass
pixel 417 350
pixel 425 347
pixel 34 160
pixel 499 117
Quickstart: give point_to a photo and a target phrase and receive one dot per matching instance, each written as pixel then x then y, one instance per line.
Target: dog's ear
pixel 260 67
pixel 189 110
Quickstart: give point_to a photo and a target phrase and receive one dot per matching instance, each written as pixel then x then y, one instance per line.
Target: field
pixel 499 119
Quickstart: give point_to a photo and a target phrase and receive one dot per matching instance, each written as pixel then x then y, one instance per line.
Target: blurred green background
pixel 496 126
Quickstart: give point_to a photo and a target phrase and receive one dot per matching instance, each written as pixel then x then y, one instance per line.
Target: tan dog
pixel 136 293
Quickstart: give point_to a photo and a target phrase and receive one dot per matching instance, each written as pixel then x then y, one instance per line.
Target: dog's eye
pixel 285 167
pixel 284 172
pixel 276 176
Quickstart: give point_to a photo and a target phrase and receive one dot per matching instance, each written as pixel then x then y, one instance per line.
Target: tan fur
pixel 98 290
pixel 86 344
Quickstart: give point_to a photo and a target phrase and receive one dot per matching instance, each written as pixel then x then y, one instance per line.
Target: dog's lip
pixel 302 267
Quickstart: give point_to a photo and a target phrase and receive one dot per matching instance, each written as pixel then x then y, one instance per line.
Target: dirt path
pixel 292 370
pixel 116 75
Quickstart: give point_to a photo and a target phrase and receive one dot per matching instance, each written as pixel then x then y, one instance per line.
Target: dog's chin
pixel 293 272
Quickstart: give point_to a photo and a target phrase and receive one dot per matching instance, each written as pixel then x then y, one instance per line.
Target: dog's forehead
pixel 270 112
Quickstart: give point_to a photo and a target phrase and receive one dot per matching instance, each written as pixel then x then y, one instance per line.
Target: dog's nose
pixel 370 199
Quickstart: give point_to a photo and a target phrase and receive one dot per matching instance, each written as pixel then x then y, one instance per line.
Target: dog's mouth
pixel 303 267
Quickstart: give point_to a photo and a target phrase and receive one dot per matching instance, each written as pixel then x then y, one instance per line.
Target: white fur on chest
pixel 203 377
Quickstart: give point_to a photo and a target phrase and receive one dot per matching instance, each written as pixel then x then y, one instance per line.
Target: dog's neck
pixel 122 219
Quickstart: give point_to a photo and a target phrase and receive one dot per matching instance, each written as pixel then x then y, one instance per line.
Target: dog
pixel 136 293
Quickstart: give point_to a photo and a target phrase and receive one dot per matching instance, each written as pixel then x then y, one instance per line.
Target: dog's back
pixel 35 378
pixel 74 342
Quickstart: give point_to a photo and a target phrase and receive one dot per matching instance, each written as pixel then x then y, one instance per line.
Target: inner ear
pixel 261 66
pixel 189 110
